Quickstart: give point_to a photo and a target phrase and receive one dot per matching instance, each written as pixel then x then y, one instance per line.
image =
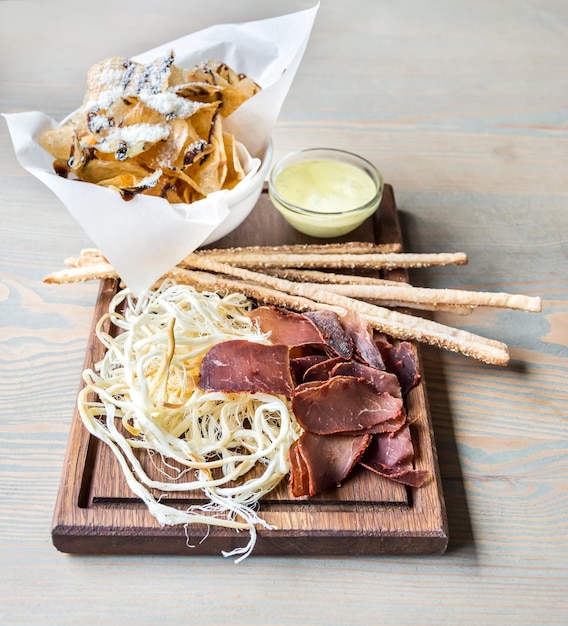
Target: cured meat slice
pixel 322 370
pixel 299 477
pixel 381 380
pixel 402 361
pixel 344 404
pixel 308 349
pixel 333 332
pixel 318 463
pixel 301 364
pixel 244 366
pixel 391 455
pixel 286 327
pixel 365 347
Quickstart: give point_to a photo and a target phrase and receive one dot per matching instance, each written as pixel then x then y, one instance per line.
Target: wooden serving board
pixel 96 513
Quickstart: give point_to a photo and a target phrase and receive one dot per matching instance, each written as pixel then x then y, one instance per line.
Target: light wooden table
pixel 464 107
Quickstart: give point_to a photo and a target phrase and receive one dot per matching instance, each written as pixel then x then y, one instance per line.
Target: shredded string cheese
pixel 147 402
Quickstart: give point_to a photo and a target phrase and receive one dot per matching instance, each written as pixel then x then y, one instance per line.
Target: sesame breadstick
pixel 393 323
pixel 342 261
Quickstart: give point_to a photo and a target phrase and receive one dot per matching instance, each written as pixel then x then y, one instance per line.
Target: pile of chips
pixel 154 129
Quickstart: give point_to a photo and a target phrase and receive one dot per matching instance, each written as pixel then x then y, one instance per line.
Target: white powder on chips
pixel 99 123
pixel 106 77
pixel 114 79
pixel 151 180
pixel 169 104
pixel 133 137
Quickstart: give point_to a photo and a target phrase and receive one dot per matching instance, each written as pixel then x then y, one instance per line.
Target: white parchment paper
pixel 146 236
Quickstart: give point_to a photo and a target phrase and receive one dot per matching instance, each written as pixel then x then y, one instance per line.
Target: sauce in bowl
pixel 325 192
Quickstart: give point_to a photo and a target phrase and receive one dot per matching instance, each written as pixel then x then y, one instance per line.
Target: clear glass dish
pixel 325 192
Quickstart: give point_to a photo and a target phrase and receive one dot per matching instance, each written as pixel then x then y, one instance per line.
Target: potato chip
pixel 129 185
pixel 168 153
pixel 235 171
pixel 231 89
pixel 155 129
pixel 203 122
pixel 97 171
pixel 205 172
pixel 58 142
pixel 137 113
pixel 200 92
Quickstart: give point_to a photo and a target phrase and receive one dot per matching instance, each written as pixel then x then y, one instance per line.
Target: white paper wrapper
pixel 146 236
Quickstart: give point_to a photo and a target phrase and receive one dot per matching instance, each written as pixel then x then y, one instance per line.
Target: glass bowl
pixel 325 192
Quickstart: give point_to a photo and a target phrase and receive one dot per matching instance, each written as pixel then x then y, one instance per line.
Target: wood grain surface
pixel 463 106
pixel 96 513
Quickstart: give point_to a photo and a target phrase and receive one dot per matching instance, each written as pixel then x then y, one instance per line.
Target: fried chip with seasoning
pixel 153 129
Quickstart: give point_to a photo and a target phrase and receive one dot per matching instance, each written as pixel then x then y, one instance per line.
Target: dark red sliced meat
pixel 392 455
pixel 381 380
pixel 301 364
pixel 244 366
pixel 299 477
pixel 345 404
pixel 308 349
pixel 286 327
pixel 365 347
pixel 333 332
pixel 322 370
pixel 326 460
pixel 402 361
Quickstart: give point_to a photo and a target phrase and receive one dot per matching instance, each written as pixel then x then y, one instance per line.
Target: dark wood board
pixel 95 512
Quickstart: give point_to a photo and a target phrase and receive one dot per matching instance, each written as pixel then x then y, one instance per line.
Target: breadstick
pixel 345 261
pixel 420 306
pixel 422 295
pixel 298 296
pixel 100 271
pixel 91 256
pixel 260 293
pixel 315 276
pixel 263 295
pixel 88 256
pixel 349 247
pixel 81 274
pixel 392 323
pixel 331 279
pixel 270 289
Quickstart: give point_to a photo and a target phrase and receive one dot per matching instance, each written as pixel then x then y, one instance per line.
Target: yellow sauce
pixel 326 194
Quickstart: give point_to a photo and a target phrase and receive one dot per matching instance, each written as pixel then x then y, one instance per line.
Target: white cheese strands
pixel 147 400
